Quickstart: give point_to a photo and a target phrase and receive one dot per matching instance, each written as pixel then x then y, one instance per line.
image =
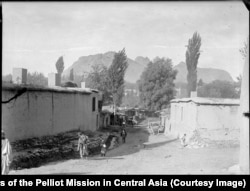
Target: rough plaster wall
pixel 244 123
pixel 183 117
pixel 186 117
pixel 37 113
pixel 217 117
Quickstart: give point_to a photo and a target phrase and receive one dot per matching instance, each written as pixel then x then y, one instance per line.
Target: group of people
pixel 84 140
pixel 82 148
pixel 83 145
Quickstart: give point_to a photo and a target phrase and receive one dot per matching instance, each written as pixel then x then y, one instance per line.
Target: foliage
pixel 60 65
pixel 219 89
pixel 200 83
pixel 98 79
pixel 116 74
pixel 7 78
pixel 34 78
pixel 37 78
pixel 192 56
pixel 156 84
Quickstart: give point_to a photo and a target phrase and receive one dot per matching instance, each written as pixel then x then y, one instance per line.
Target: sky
pixel 36 34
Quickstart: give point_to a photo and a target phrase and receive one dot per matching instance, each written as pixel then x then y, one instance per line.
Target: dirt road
pixel 162 155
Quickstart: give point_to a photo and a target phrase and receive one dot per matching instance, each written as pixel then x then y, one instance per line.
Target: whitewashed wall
pixel 217 117
pixel 188 116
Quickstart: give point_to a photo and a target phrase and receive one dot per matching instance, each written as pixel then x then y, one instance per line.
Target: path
pixel 163 155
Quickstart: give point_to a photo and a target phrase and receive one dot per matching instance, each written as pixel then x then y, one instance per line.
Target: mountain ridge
pixel 135 68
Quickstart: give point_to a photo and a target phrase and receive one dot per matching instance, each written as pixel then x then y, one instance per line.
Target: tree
pixel 200 83
pixel 192 56
pixel 37 78
pixel 116 74
pixel 60 65
pixel 156 84
pixel 7 78
pixel 218 89
pixel 98 79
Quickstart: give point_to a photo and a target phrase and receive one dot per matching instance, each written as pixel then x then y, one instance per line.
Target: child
pixel 103 148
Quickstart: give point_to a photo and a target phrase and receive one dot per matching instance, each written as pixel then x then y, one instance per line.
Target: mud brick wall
pixel 39 112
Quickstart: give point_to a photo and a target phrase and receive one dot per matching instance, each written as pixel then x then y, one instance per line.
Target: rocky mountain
pixel 142 60
pixel 206 74
pixel 83 66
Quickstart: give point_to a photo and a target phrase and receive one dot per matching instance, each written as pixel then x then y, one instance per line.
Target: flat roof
pixel 207 101
pixel 14 87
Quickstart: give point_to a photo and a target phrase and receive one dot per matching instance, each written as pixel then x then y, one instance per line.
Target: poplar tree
pixel 192 56
pixel 116 73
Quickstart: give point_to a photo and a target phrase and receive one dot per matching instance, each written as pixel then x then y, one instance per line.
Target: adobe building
pixel 42 111
pixel 189 114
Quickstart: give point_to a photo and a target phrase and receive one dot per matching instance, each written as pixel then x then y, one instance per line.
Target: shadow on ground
pixel 137 137
pixel 153 145
pixel 63 147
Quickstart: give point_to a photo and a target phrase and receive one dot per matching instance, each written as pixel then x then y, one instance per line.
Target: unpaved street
pixel 162 155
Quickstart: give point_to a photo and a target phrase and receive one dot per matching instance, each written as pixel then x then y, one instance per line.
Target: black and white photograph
pixel 125 88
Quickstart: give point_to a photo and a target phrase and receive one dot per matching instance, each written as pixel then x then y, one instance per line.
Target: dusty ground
pixel 162 155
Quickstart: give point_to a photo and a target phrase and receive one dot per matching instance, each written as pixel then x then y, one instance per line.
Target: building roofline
pixel 15 87
pixel 207 101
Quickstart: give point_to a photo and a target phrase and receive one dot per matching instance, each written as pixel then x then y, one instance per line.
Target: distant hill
pixel 142 60
pixel 83 66
pixel 206 74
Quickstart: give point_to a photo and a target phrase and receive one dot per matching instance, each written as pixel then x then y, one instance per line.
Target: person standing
pixel 6 155
pixel 82 145
pixel 123 135
pixel 85 146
